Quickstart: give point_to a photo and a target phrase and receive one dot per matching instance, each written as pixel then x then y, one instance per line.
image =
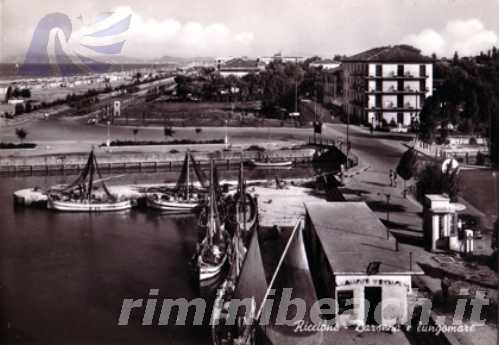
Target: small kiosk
pixel 441 226
pixel 354 259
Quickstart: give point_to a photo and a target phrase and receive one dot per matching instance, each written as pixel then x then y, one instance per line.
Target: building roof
pixel 240 64
pixel 352 236
pixel 398 53
pixel 325 61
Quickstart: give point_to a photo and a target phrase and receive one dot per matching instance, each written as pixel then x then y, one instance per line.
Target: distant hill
pixel 119 59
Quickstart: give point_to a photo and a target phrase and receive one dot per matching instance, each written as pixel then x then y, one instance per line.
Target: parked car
pixel 398 129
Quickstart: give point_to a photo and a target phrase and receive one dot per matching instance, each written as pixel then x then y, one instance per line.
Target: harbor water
pixel 63 276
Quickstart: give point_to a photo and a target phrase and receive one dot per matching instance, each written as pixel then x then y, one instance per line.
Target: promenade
pixel 370 182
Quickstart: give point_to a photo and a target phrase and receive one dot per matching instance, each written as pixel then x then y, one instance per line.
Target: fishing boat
pixel 246 272
pixel 265 161
pixel 86 194
pixel 232 326
pixel 184 198
pixel 271 164
pixel 244 206
pixel 211 255
pixel 88 206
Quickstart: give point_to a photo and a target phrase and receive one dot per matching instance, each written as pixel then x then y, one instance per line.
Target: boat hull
pixel 209 272
pixel 69 206
pixel 172 206
pixel 271 164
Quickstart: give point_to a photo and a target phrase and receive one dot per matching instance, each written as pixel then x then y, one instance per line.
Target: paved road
pixel 380 150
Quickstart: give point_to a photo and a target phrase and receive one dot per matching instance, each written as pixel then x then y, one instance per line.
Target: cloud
pixel 467 37
pixel 245 38
pixel 153 37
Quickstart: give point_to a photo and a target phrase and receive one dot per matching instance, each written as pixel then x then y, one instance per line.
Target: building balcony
pixel 394 109
pixel 397 92
pixel 396 77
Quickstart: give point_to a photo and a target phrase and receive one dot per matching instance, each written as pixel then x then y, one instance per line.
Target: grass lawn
pixel 479 188
pixel 203 114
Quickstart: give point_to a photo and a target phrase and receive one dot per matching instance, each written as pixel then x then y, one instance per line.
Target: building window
pixel 400 85
pixel 400 70
pixel 422 70
pixel 345 301
pixel 378 70
pixel 400 118
pixel 400 101
pixel 422 85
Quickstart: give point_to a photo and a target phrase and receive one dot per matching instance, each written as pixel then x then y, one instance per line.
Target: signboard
pixel 294 114
pixel 373 281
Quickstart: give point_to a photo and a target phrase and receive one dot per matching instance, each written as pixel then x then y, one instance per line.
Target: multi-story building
pixel 282 58
pixel 384 86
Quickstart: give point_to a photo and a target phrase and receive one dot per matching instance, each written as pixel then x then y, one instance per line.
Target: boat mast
pixel 91 177
pixel 243 195
pixel 188 174
pixel 211 217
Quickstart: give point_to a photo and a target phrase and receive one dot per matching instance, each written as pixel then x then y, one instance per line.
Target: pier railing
pixel 60 163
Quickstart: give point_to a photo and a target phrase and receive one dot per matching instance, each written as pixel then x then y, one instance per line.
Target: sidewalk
pixel 404 219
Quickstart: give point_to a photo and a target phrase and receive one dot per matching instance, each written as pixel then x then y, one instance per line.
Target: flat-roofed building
pixel 354 260
pixel 239 67
pixel 282 58
pixel 384 86
pixel 325 64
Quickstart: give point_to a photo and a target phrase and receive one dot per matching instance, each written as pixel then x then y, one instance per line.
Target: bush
pixel 170 142
pixel 168 131
pixel 17 146
pixel 431 180
pixel 255 148
pixel 199 130
pixel 21 133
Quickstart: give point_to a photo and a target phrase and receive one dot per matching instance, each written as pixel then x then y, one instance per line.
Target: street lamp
pixel 108 141
pixel 348 137
pixel 226 135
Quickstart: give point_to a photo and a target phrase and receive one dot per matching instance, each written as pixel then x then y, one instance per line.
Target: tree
pixel 138 76
pixel 408 164
pixel 26 93
pixel 471 110
pixel 431 180
pixel 21 133
pixel 428 117
pixel 168 131
pixel 8 94
pixel 494 135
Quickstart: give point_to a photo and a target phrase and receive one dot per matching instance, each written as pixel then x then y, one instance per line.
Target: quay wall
pixel 139 160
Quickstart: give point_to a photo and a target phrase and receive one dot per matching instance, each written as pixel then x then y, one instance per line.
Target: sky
pixel 253 28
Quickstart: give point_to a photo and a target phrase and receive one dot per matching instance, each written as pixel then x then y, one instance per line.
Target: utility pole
pixel 388 207
pixel 348 138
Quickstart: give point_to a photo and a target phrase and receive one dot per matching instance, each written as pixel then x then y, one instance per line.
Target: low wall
pixel 139 160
